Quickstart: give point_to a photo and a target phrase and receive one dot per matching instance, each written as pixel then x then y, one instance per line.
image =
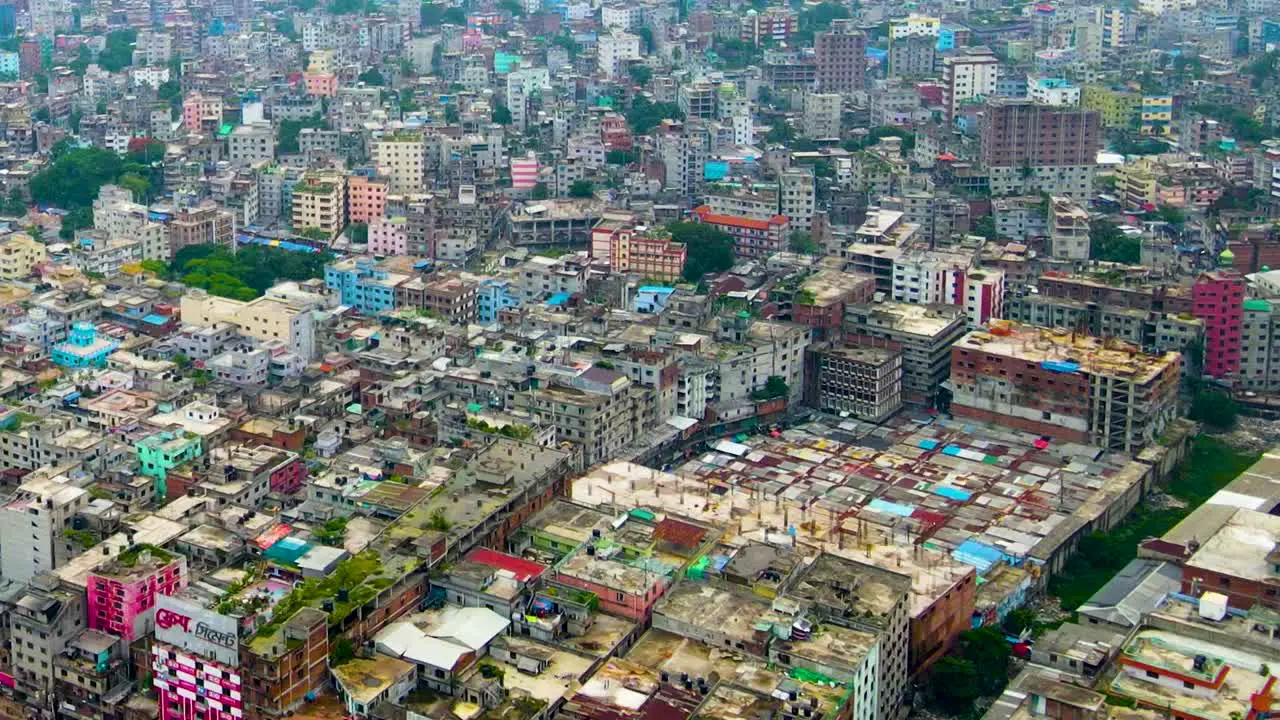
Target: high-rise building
pixel 797 198
pixel 841 55
pixel 969 75
pixel 1068 230
pixel 115 213
pixel 366 198
pixel 401 157
pixel 319 201
pixel 1028 147
pixel 1218 300
pixel 822 115
pixel 1065 385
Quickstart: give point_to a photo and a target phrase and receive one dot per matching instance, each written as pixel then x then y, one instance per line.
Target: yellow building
pixel 19 254
pixel 1138 183
pixel 1117 108
pixel 265 318
pixel 401 156
pixel 1157 115
pixel 320 201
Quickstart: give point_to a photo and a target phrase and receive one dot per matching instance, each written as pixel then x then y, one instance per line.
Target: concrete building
pixel 45 617
pixel 984 292
pixel 116 214
pixel 267 319
pixel 1057 92
pixel 121 593
pixel 924 335
pixel 863 382
pixel 32 524
pixel 841 58
pixel 1058 144
pixel 627 247
pixel 1068 230
pixel 821 115
pixel 614 50
pixel 600 412
pixel 1260 345
pixel 251 143
pixel 366 200
pixel 751 238
pixel 1218 300
pixel 401 157
pixel 320 202
pixel 1067 386
pixel 19 255
pixel 969 75
pixel 797 198
pixel 203 224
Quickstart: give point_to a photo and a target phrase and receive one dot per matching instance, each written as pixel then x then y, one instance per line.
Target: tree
pixel 43 115
pixel 118 54
pixel 1109 244
pixel 540 191
pixel 15 205
pixel 451 114
pixel 372 76
pixel 780 133
pixel 954 685
pixel 582 189
pixel 1172 215
pixel 501 114
pixel 640 74
pixel 708 250
pixel 84 57
pixel 79 218
pixel 803 243
pixel 618 157
pixel 287 139
pixel 989 652
pixel 1215 408
pixel 73 179
pixel 1018 620
pixel 344 651
pixel 775 387
pixel 986 227
pixel 358 232
pixel 645 114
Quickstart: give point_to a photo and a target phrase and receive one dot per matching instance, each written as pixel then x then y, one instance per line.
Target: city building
pixel 121 592
pixel 861 382
pixel 83 348
pixel 1065 385
pixel 320 204
pixel 968 76
pixel 751 238
pixel 924 334
pixel 401 157
pixel 1058 145
pixel 19 255
pixel 1218 300
pixel 840 53
pixel 203 224
pixel 32 526
pixel 627 247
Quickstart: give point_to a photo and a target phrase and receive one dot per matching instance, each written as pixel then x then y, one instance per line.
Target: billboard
pixel 193 628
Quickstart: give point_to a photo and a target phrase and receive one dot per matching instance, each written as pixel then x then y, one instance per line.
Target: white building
pixel 116 214
pixel 621 16
pixel 1052 91
pixel 798 198
pixel 968 76
pixel 615 50
pixel 931 277
pixel 251 143
pixel 983 296
pixel 32 524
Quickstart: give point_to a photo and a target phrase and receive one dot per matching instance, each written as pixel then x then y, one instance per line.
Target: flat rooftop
pixel 1072 352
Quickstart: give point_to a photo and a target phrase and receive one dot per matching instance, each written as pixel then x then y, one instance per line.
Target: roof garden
pixel 130 557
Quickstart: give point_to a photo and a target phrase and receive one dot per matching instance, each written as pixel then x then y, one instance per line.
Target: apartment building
pixel 924 335
pixel 32 524
pixel 366 199
pixel 121 592
pixel 267 319
pixel 614 50
pixel 862 382
pixel 968 75
pixel 1152 331
pixel 19 255
pixel 320 202
pixel 751 238
pixel 820 115
pixel 841 56
pixel 205 223
pixel 1058 144
pixel 43 619
pixel 1065 385
pixel 984 292
pixel 1218 299
pixel 201 113
pixel 116 214
pixel 453 298
pixel 1068 229
pixel 401 157
pixel 757 203
pixel 747 354
pixel 251 143
pixel 627 247
pixel 1260 345
pixel 931 277
pixel 797 198
pixel 599 411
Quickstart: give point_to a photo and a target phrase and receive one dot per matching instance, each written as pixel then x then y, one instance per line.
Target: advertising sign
pixel 201 631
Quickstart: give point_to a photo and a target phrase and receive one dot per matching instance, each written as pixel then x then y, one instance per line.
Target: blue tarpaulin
pixel 928 444
pixel 1062 366
pixel 885 506
pixel 951 493
pixel 979 555
pixel 951 450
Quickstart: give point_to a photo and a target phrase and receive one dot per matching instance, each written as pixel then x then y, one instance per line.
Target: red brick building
pixel 751 238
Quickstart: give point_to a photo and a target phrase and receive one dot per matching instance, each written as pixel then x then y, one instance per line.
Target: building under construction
pixel 1064 385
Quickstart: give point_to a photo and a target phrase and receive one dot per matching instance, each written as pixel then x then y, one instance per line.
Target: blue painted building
pixel 651 298
pixel 362 285
pixel 83 348
pixel 493 297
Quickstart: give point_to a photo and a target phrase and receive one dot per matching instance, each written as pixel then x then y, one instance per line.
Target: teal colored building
pixel 160 453
pixel 83 348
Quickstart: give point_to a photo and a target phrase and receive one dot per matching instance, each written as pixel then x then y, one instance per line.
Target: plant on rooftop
pixel 438 521
pixel 343 652
pixel 349 575
pixel 775 387
pixel 83 538
pixel 333 532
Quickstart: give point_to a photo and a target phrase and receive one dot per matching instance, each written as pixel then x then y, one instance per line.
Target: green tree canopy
pixel 1108 243
pixel 708 250
pixel 1215 408
pixel 501 114
pixel 645 114
pixel 372 76
pixel 358 232
pixel 73 179
pixel 802 242
pixel 247 273
pixel 954 685
pixel 287 140
pixel 118 54
pixel 582 189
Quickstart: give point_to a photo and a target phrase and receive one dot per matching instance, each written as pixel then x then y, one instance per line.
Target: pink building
pixel 594 574
pixel 288 477
pixel 201 111
pixel 121 594
pixel 321 84
pixel 195 663
pixel 1218 299
pixel 389 236
pixel 524 172
pixel 366 198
